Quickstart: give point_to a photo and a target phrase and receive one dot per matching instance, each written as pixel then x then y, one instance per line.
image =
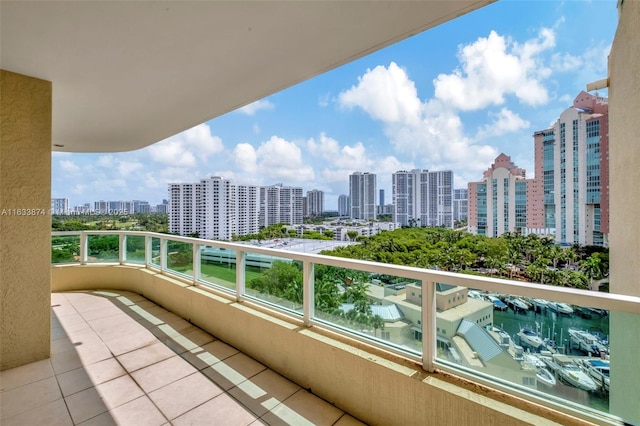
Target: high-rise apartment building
pixel 498 203
pixel 460 204
pixel 423 198
pixel 213 208
pixel 280 204
pixel 362 194
pixel 59 206
pixel 344 207
pixel 113 207
pixel 569 196
pixel 572 174
pixel 315 203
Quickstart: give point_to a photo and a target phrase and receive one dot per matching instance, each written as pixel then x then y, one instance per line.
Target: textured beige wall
pixel 25 239
pixel 624 233
pixel 379 388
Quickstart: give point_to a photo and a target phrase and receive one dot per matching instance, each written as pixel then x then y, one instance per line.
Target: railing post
pixel 428 325
pixel 148 250
pixel 240 276
pixel 308 296
pixel 163 255
pixel 196 263
pixel 122 248
pixel 84 247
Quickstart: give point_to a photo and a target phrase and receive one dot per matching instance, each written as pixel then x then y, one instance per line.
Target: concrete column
pixel 624 221
pixel 25 223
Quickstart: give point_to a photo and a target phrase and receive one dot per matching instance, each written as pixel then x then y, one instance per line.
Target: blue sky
pixel 451 98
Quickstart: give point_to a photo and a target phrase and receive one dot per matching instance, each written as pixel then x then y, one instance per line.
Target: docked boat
pixel 569 372
pixel 543 375
pixel 586 342
pixel 561 308
pixel 598 369
pixel 497 303
pixel 530 338
pixel 517 304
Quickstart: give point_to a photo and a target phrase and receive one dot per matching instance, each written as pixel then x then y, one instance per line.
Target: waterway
pixel 555 326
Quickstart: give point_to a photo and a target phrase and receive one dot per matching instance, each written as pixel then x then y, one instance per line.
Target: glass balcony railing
pixel 543 343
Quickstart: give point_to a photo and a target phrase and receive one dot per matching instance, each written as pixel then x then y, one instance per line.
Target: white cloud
pixel 125 168
pixel 256 106
pixel 493 67
pixel 386 94
pixel 432 134
pixel 186 148
pixel 276 160
pixel 69 166
pixel 78 189
pixel 106 161
pixel 505 121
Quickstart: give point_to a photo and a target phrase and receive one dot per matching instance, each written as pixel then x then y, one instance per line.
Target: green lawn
pixel 221 273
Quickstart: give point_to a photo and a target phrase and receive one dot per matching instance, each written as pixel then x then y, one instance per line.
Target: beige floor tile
pixel 91 353
pixel 208 354
pixel 264 391
pixel 57 332
pixel 61 345
pixel 221 410
pixel 162 373
pixel 233 370
pixel 74 381
pixel 189 340
pixel 347 420
pixel 102 313
pixel 139 412
pixel 25 374
pixel 104 419
pixel 103 371
pixel 119 391
pixel 52 414
pixel 183 395
pixel 145 357
pixel 130 342
pixel 106 326
pixel 303 408
pixel 63 310
pixel 28 397
pixel 85 404
pixel 65 361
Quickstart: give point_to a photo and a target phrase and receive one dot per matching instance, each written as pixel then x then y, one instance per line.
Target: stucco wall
pixel 25 224
pixel 624 221
pixel 377 388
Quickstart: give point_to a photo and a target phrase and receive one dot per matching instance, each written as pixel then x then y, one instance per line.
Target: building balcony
pixel 434 364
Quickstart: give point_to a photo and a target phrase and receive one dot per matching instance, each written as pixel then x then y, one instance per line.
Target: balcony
pixel 401 372
pixel 118 358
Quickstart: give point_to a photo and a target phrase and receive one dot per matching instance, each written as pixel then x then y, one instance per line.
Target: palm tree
pixel 592 267
pixel 376 322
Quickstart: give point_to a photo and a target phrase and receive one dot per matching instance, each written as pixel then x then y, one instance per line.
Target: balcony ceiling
pixel 128 74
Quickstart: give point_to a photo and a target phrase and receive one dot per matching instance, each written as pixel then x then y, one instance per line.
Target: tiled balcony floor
pixel 119 359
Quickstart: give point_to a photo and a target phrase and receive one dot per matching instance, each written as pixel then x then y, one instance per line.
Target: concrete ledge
pixel 377 389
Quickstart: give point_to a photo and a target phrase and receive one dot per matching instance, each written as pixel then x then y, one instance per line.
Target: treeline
pixel 279 230
pixel 514 256
pixel 152 222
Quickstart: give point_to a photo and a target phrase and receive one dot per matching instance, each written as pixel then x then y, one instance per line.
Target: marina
pixel 568 349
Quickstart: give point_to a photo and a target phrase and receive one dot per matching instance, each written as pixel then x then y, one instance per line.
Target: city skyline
pixel 449 99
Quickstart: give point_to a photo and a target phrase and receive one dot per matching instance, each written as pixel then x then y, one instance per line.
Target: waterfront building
pixel 280 204
pixel 315 203
pixel 344 208
pixel 59 206
pixel 498 203
pixel 571 197
pixel 423 198
pixel 213 208
pixel 362 194
pixel 460 204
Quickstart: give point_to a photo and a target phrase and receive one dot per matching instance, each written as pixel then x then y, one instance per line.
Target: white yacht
pixel 530 338
pixel 569 372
